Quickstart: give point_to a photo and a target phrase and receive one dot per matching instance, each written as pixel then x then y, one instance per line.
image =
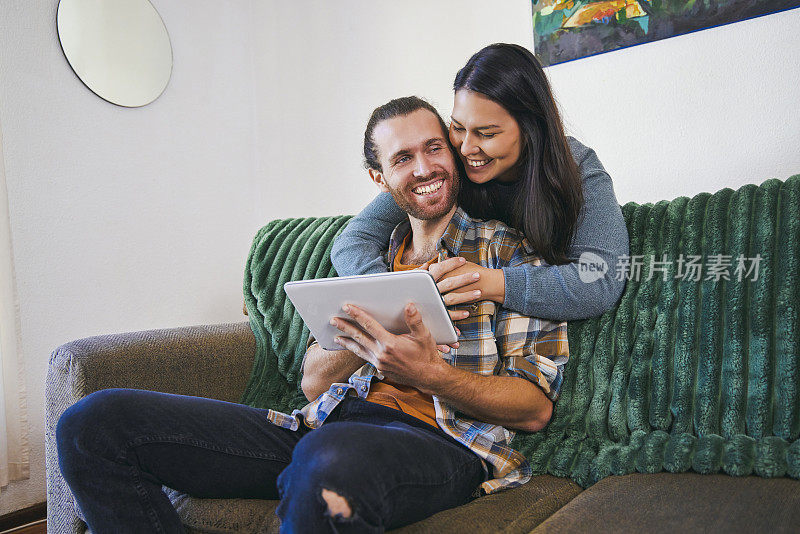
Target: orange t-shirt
pixel 407 399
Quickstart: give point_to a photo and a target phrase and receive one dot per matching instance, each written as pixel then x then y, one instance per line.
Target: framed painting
pixel 571 29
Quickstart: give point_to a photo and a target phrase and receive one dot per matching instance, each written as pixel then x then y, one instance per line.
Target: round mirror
pixel 119 48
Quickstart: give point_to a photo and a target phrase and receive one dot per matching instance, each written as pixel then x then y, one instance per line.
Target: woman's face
pixel 486 136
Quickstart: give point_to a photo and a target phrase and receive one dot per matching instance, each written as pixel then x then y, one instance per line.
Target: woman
pixel 520 168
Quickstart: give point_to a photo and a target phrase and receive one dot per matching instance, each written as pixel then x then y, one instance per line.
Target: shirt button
pixel 338 391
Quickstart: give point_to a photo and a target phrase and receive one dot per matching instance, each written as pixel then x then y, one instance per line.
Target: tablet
pixel 384 296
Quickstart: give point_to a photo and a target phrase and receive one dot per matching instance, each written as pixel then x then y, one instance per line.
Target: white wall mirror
pixel 119 48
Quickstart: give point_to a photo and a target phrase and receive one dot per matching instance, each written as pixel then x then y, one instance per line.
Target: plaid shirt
pixel 493 341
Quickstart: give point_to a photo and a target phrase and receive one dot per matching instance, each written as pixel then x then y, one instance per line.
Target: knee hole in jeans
pixel 337 505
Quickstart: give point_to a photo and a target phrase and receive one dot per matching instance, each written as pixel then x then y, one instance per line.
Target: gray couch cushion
pixel 513 511
pixel 224 516
pixel 667 502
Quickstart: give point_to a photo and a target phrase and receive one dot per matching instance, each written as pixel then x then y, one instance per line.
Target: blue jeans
pixel 117 447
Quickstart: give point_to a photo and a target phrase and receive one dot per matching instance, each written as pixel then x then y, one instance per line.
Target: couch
pixel 680 407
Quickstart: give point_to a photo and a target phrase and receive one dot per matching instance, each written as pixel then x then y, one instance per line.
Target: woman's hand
pixel 460 281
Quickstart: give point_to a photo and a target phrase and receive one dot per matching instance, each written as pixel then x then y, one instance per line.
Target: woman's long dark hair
pixel 549 194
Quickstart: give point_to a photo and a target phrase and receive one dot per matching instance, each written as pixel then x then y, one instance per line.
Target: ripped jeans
pixel 117 447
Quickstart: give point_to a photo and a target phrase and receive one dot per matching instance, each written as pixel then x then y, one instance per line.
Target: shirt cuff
pixel 516 288
pixel 522 368
pixel 311 341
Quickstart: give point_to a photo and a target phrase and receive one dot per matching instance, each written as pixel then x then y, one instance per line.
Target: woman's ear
pixel 377 177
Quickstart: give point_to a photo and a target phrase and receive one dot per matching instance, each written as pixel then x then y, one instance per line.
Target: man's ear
pixel 377 177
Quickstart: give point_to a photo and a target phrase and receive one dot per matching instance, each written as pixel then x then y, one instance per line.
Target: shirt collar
pixel 453 236
pixel 449 244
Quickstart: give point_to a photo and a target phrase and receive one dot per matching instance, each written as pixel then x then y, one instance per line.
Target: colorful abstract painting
pixel 570 29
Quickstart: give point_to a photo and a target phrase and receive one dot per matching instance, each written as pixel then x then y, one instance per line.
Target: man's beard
pixel 406 201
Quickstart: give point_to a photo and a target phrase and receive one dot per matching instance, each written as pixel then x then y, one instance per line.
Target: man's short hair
pixel 394 108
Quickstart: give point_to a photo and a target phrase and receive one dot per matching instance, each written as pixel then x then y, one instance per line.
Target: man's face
pixel 418 166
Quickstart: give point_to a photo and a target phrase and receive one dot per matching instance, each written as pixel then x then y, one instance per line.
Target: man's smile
pixel 429 188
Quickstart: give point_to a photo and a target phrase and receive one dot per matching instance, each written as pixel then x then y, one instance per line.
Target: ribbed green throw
pixel 683 374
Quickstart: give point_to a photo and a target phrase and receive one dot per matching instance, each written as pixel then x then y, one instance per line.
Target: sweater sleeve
pixel 359 248
pixel 557 291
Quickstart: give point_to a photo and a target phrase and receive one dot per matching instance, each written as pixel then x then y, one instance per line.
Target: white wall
pixel 130 219
pixel 124 219
pixel 712 109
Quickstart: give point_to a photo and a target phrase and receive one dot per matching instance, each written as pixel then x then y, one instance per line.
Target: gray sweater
pixel 547 291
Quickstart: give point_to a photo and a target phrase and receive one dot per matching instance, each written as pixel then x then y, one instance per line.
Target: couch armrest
pixel 213 361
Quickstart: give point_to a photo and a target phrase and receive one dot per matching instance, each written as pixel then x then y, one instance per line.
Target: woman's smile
pixel 478 163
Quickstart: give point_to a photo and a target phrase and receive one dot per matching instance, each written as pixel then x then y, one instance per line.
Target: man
pixel 412 431
pixel 458 395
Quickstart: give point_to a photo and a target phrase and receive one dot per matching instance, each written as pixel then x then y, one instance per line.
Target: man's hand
pixel 411 359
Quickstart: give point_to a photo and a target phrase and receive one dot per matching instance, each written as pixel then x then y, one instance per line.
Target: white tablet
pixel 384 296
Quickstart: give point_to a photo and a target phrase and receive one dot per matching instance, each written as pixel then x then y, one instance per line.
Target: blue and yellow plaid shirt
pixel 493 341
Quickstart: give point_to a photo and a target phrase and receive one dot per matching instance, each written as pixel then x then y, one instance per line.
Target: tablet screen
pixel 384 296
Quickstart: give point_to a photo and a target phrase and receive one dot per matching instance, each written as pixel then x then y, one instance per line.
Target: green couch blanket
pixel 694 369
